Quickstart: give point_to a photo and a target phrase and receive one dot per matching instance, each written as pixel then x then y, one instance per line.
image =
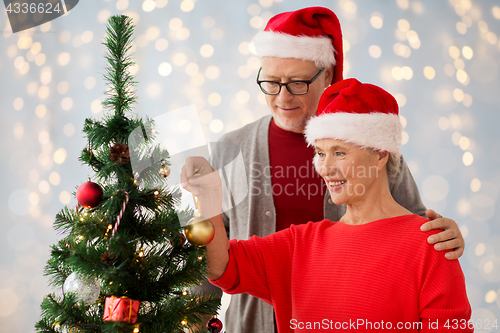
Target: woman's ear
pixel 383 157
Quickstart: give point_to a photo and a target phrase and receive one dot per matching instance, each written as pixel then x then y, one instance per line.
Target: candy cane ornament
pixel 78 208
pixel 120 215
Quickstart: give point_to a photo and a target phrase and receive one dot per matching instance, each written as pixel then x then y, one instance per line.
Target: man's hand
pixel 450 238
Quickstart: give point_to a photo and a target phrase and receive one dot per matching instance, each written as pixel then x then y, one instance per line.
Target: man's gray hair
pixel 394 168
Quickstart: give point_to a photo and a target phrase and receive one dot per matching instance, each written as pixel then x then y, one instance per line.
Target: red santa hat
pixel 311 33
pixel 359 113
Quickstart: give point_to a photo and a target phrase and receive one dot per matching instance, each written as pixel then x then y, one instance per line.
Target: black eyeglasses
pixel 298 87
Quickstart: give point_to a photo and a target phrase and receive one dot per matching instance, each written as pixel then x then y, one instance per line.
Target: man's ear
pixel 328 75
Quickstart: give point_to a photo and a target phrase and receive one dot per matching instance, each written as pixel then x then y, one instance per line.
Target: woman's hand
pixel 199 178
pixel 449 238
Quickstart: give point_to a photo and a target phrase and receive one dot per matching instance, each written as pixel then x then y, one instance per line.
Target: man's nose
pixel 284 94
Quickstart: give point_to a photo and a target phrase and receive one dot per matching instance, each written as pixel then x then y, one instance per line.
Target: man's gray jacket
pixel 256 215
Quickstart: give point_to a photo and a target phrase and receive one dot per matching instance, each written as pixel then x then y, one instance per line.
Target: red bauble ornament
pixel 182 238
pixel 214 325
pixel 89 195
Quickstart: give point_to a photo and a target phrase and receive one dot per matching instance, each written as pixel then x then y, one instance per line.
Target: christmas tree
pixel 123 263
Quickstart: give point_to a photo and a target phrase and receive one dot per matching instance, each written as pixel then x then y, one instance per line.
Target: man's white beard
pixel 296 124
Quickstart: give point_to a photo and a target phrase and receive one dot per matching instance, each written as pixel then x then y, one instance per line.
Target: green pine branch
pixel 120 82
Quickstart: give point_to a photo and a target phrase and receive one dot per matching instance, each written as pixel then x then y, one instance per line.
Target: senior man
pixel 301 53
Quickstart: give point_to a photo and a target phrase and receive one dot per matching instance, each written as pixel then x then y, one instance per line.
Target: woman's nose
pixel 328 166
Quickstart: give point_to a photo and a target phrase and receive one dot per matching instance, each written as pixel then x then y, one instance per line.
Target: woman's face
pixel 348 170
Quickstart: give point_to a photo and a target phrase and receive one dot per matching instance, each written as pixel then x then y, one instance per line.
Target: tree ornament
pixel 121 309
pixel 119 153
pixel 199 231
pixel 86 289
pixel 89 194
pixel 165 170
pixel 214 325
pixel 182 238
pixel 107 257
pixel 78 209
pixel 120 215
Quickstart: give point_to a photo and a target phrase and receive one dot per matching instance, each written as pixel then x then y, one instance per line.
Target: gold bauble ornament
pixel 165 170
pixel 199 231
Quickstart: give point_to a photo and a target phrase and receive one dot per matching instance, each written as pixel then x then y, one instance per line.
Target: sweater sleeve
pixel 259 266
pixel 443 302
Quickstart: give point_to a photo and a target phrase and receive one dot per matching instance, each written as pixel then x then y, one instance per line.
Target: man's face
pixel 291 112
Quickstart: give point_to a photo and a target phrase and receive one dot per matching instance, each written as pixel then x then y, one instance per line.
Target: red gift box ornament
pixel 121 309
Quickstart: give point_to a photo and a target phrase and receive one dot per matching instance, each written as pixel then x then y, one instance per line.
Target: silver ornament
pixel 86 289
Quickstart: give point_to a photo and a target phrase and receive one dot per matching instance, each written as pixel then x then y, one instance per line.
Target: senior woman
pixel 373 269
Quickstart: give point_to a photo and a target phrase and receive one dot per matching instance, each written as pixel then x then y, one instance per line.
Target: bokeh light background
pixel 439 58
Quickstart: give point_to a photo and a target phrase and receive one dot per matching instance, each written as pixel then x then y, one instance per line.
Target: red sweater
pixel 329 275
pixel 298 190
